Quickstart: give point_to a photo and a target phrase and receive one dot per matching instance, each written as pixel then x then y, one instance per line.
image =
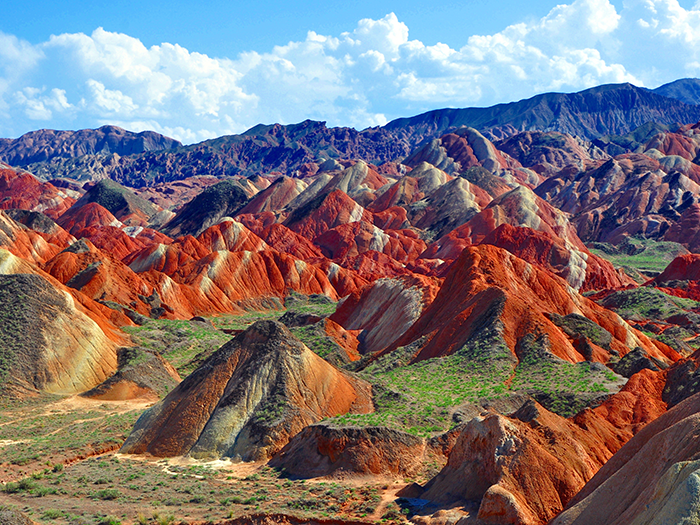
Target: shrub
pixel 107 494
pixel 109 520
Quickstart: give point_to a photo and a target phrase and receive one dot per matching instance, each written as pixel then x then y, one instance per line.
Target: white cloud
pixel 358 78
pixel 39 105
pixel 110 100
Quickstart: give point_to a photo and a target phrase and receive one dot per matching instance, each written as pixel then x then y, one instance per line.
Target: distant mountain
pixel 612 109
pixel 686 90
pixel 277 148
pixel 147 158
pixel 48 144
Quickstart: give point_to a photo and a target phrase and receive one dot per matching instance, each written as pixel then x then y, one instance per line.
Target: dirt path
pixel 388 496
pixel 76 403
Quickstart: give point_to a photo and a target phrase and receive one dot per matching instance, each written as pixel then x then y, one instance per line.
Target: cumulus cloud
pixel 359 78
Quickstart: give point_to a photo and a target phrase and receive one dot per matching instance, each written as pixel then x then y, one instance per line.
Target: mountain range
pixel 147 158
pixel 468 316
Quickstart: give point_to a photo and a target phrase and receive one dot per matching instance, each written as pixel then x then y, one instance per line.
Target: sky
pixel 193 72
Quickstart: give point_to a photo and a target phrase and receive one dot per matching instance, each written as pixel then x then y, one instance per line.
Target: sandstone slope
pixel 248 399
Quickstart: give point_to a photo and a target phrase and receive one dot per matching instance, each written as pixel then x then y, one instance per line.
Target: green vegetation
pixel 575 325
pixel 645 303
pixel 639 255
pixel 116 198
pixel 42 428
pixel 160 493
pixel 563 387
pixel 272 410
pixel 185 344
pixel 244 321
pixel 312 304
pixel 423 398
pixel 419 398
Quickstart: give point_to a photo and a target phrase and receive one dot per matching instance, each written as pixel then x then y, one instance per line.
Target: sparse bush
pixel 107 494
pixel 109 520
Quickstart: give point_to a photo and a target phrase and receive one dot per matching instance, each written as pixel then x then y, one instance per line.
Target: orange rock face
pixel 321 450
pixel 346 339
pixel 92 215
pixel 285 240
pixel 553 254
pixel 232 236
pixel 24 191
pixel 523 469
pixel 26 243
pixel 335 209
pixel 682 268
pixel 349 240
pixel 102 277
pixel 487 284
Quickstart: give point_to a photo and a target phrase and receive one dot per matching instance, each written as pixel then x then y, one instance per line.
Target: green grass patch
pixel 640 255
pixel 646 303
pixel 562 387
pixel 184 344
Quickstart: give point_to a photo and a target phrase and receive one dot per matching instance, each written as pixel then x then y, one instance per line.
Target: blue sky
pixel 195 73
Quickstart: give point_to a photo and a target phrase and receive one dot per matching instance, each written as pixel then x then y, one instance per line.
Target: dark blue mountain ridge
pixel 607 110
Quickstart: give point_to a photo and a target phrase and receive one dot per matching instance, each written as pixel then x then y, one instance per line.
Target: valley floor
pixel 60 465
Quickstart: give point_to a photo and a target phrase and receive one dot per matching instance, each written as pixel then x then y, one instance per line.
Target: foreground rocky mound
pixel 46 343
pixel 324 450
pixel 248 399
pixel 653 479
pixel 522 469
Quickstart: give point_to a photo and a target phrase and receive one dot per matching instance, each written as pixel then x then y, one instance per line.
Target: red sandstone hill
pixel 528 227
pixel 384 309
pixel 22 190
pixel 104 278
pixel 489 287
